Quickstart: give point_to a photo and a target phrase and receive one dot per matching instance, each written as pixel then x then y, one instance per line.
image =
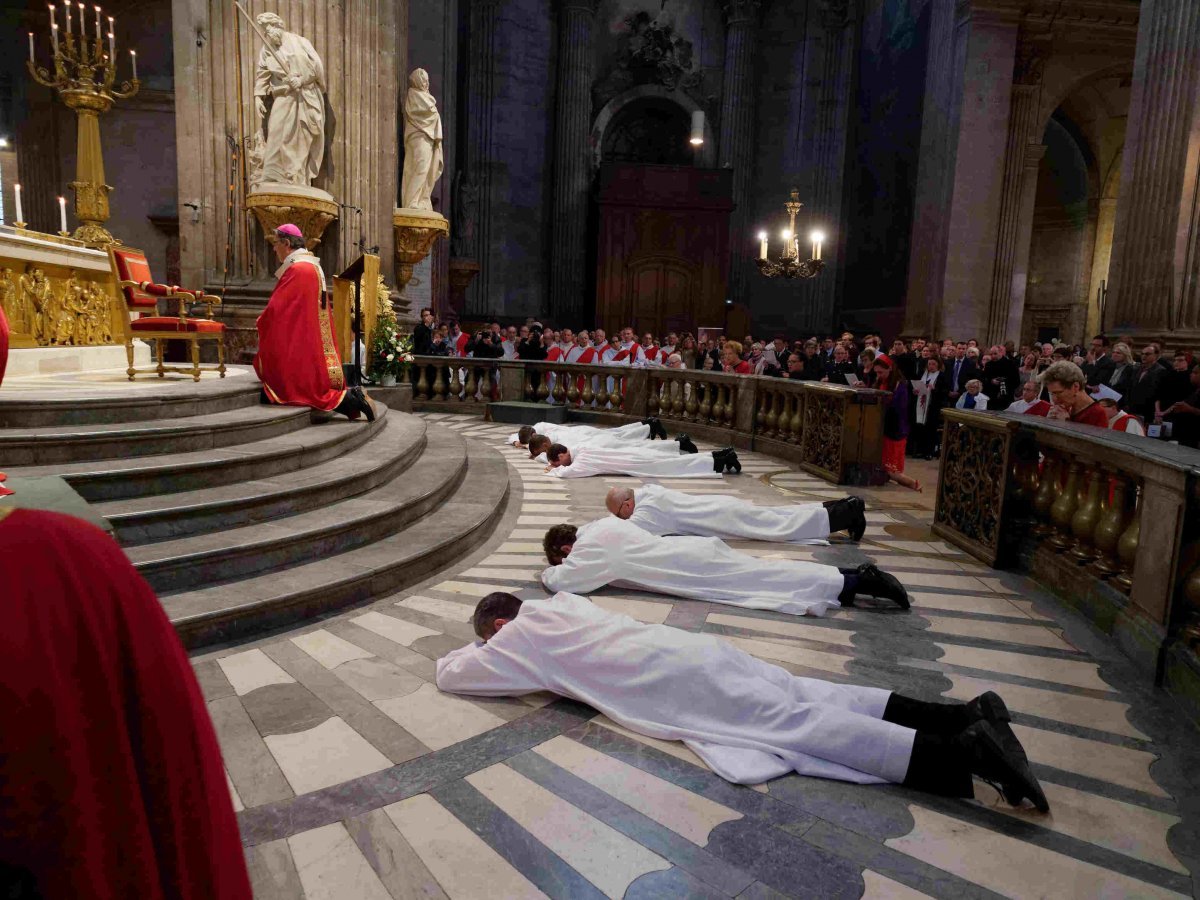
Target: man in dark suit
pixel 1101 368
pixel 960 370
pixel 1146 385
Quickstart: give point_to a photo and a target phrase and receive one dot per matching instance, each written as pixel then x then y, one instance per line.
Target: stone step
pixel 334 581
pixel 47 408
pixel 73 443
pixel 238 553
pixel 142 520
pixel 115 479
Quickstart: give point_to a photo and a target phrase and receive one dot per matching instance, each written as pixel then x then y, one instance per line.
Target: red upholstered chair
pixel 141 295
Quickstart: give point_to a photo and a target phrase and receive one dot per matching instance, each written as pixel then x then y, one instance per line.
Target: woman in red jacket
pixel 731 359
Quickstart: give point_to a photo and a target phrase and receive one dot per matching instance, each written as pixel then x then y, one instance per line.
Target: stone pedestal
pixel 309 209
pixel 58 360
pixel 415 232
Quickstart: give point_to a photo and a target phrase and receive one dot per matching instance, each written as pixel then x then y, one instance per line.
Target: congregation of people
pixel 1107 384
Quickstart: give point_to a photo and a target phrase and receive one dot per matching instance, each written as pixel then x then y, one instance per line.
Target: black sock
pixel 937 766
pixel 920 715
pixel 850 589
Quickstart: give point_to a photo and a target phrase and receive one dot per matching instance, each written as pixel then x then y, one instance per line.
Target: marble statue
pixel 291 74
pixel 422 143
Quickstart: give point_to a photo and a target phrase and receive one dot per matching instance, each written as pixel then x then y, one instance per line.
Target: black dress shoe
pixel 719 460
pixel 730 461
pixel 874 582
pixel 355 402
pixel 1002 768
pixel 849 515
pixel 262 396
pixel 656 428
pixel 686 445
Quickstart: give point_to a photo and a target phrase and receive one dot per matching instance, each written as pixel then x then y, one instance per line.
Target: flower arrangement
pixel 391 351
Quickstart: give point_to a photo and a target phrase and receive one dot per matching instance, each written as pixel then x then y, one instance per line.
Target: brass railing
pixel 1108 520
pixel 830 430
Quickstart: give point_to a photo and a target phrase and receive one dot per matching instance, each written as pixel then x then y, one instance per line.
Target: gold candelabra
pixel 84 72
pixel 790 265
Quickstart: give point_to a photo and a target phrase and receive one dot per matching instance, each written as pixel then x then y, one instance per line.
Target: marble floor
pixel 355 777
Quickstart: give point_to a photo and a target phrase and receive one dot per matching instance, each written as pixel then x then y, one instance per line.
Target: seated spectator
pixel 1117 420
pixel 1030 401
pixel 973 399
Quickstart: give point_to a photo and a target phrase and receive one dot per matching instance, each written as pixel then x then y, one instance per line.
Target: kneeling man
pixel 747 719
pixel 662 511
pixel 613 551
pixel 589 461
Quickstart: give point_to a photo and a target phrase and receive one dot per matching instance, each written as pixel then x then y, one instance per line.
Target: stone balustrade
pixel 832 431
pixel 1109 521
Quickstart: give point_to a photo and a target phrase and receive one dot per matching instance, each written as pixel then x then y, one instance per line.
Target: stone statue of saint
pixel 290 72
pixel 422 143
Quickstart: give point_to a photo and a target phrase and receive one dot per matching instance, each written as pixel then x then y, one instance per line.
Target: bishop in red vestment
pixel 297 358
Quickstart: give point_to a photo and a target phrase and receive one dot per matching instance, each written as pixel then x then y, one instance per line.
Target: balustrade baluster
pixel 1114 518
pixel 1087 516
pixel 690 402
pixel 1064 508
pixel 601 392
pixel 731 393
pixel 1047 493
pixel 652 404
pixel 761 411
pixel 572 389
pixel 770 422
pixel 587 396
pixel 543 388
pixel 439 381
pixel 455 384
pixel 797 418
pixel 617 396
pixel 470 388
pixel 1127 548
pixel 676 398
pixel 422 384
pixel 706 400
pixel 559 393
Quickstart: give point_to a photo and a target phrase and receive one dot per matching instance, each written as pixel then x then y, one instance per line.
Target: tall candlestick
pixel 62 214
pixel 133 56
pixel 20 208
pixel 67 10
pixel 97 23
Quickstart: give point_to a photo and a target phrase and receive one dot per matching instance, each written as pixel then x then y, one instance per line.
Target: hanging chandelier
pixel 790 265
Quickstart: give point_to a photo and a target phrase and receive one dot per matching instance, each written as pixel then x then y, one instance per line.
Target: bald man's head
pixel 620 502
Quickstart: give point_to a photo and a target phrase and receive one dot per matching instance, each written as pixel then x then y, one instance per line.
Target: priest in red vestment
pixel 297 358
pixel 111 780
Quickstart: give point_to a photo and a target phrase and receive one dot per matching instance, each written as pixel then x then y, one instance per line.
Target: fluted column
pixel 474 198
pixel 1153 282
pixel 1022 155
pixel 737 128
pixel 1106 219
pixel 572 162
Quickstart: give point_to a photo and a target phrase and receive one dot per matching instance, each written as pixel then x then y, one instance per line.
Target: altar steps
pixel 244 516
pixel 393 446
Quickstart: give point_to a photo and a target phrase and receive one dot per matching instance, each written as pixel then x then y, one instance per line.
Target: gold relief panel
pixel 56 306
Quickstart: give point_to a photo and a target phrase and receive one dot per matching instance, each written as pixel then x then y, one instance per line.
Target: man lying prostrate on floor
pixel 539 447
pixel 662 511
pixel 747 719
pixel 586 435
pixel 640 461
pixel 613 551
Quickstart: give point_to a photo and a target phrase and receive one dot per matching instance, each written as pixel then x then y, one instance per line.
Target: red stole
pixel 651 354
pixel 554 354
pixel 1040 408
pixel 297 359
pixel 113 781
pixel 460 344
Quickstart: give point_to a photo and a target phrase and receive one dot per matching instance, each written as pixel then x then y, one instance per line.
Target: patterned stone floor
pixel 356 778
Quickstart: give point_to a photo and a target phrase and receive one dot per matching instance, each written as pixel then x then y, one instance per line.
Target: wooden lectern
pixel 355 301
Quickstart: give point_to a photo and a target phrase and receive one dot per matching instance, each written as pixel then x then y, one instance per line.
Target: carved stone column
pixel 1153 281
pixel 473 201
pixel 737 129
pixel 1106 220
pixel 1022 155
pixel 572 160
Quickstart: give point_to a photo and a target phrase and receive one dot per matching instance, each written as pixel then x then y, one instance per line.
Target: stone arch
pixel 614 106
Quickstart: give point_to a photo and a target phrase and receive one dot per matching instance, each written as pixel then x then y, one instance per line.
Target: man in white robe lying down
pixel 662 511
pixel 539 447
pixel 613 551
pixel 588 461
pixel 587 436
pixel 748 720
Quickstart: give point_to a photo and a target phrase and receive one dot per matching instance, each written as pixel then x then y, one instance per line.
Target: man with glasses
pixel 1146 386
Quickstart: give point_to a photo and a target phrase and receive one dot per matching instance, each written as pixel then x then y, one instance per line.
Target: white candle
pixel 97 23
pixel 20 209
pixel 82 25
pixel 67 10
pixel 112 48
pixel 31 46
pixel 133 56
pixel 54 37
pixel 818 238
pixel 62 214
pixel 762 245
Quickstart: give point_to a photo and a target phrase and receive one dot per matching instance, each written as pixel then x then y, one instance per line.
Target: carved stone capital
pixel 415 234
pixel 310 214
pixel 742 12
